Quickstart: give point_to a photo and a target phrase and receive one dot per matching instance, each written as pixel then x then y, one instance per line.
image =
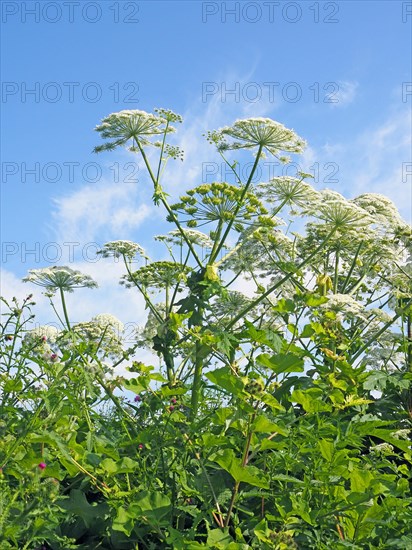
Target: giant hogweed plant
pixel 279 418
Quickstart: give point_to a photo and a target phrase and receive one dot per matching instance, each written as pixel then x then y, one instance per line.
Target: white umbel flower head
pixel 251 133
pixel 129 249
pixel 59 278
pixel 338 213
pixel 192 235
pixel 107 320
pixel 344 306
pixel 288 190
pixel 42 337
pixel 134 125
pixel 381 208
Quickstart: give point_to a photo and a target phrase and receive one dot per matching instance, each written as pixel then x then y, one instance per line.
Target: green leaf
pixel 266 337
pixel 219 538
pixel 285 305
pixel 78 505
pixel 134 385
pixel 124 521
pixel 327 449
pixel 12 385
pixel 281 363
pixel 313 300
pixel 310 399
pixel 264 425
pixel 248 474
pixel 155 507
pixel 307 331
pixel 360 480
pixel 271 401
pixel 224 378
pixel 125 465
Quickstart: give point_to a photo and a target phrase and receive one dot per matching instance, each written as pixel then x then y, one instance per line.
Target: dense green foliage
pixel 280 417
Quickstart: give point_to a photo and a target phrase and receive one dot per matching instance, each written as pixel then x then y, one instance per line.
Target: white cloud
pixel 344 95
pixel 373 162
pixel 96 210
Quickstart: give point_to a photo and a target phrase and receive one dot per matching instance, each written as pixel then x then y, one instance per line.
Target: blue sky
pixel 339 73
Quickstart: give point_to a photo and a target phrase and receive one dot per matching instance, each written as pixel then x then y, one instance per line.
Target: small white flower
pixel 381 449
pixel 344 306
pixel 378 315
pixel 401 434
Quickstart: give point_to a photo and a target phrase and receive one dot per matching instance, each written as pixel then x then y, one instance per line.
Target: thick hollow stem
pixel 66 317
pixel 238 207
pixel 194 405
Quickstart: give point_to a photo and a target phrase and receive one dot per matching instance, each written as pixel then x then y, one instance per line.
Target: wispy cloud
pixel 374 161
pixel 345 93
pixel 99 210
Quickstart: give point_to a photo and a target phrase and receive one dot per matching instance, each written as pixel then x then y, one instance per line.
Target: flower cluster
pixel 344 306
pixel 102 335
pixel 337 213
pixel 229 305
pixel 145 335
pixel 192 235
pixel 251 133
pixel 381 208
pixel 174 152
pixel 128 249
pixel 258 249
pixel 157 275
pixel 134 125
pixel 384 354
pixel 381 449
pixel 168 115
pixel 217 202
pixel 287 190
pixel 59 278
pixel 43 341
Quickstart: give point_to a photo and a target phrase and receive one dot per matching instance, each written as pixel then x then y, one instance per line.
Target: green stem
pixel 144 294
pixel 244 462
pixel 166 205
pixel 66 317
pixel 194 404
pixel 336 274
pixel 238 207
pixel 352 267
